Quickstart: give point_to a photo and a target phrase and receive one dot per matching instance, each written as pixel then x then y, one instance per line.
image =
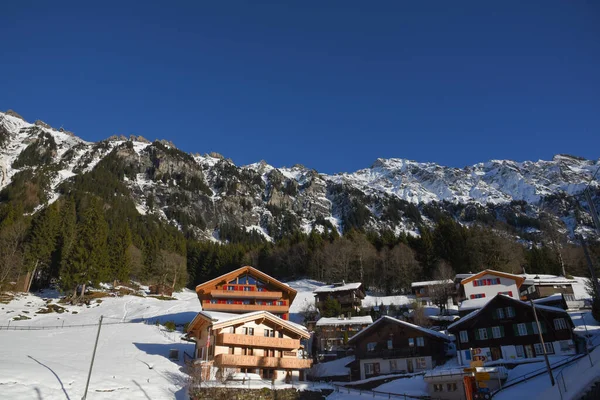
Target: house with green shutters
pixel 505 328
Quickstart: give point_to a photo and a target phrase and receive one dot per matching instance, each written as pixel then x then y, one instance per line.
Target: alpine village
pixel 259 282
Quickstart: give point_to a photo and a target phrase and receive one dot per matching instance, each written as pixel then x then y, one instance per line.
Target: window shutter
pixel 543 326
pixel 476 334
pixel 501 331
pixel 515 329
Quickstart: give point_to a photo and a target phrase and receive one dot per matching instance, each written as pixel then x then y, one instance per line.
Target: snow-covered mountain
pixel 209 195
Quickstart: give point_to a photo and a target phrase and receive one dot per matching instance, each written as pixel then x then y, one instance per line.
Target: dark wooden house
pixel 505 328
pixel 393 346
pixel 349 295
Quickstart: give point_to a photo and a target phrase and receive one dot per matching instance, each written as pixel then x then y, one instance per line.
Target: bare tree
pixel 441 289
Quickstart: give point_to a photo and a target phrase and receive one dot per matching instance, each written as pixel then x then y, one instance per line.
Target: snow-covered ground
pixel 132 356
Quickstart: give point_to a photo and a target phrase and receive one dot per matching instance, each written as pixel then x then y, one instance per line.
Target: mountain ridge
pixel 204 192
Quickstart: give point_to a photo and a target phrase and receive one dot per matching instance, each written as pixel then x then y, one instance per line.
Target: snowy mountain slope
pixel 210 196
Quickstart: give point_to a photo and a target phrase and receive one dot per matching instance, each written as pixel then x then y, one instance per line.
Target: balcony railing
pixel 252 294
pixel 208 306
pixel 261 362
pixel 257 341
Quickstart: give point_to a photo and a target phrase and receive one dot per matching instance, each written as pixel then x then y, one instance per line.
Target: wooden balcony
pixel 232 339
pixel 208 306
pixel 261 362
pixel 244 294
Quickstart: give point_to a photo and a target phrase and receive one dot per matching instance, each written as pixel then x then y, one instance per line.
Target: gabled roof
pixel 338 288
pixel 222 320
pixel 252 271
pixel 518 279
pixel 386 318
pixel 519 302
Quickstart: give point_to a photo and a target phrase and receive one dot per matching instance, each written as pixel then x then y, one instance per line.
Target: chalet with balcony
pixel 505 328
pixel 390 346
pixel 479 288
pixel 349 295
pixel 332 334
pixel 256 342
pixel 246 290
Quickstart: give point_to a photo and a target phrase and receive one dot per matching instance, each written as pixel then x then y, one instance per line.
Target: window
pixel 230 287
pixel 214 301
pixel 280 334
pixel 393 365
pixel 538 349
pixel 249 331
pixel 231 329
pixel 478 296
pixel 247 288
pixel 510 312
pixel 509 293
pixel 372 369
pixel 421 363
pixel 549 348
pixel 371 346
pixel 390 344
pixel 519 349
pixel 411 342
pixel 269 333
pixel 521 330
pixel 534 328
pixel 497 332
pixel 438 387
pixel 483 334
pixel 464 337
pixel 560 323
pixel 500 313
pixel 486 282
pixel 421 342
pixel 451 387
pixel 229 301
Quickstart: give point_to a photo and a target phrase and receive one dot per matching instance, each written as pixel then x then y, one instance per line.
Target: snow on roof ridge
pixel 334 288
pixel 434 282
pixel 345 321
pixel 407 324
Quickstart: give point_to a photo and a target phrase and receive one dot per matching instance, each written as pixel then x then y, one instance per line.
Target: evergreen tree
pixel 119 242
pixel 42 240
pixel 88 260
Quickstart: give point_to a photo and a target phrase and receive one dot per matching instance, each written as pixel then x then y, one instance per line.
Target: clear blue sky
pixel 329 84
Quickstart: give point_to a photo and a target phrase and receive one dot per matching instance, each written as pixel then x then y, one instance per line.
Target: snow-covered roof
pixel 460 371
pixel 345 321
pixel 399 322
pixel 549 299
pixel 472 304
pixel 431 283
pixel 465 318
pixel 534 279
pixel 338 288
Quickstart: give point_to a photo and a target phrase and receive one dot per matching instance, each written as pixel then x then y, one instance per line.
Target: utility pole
pixel 537 321
pixel 87 384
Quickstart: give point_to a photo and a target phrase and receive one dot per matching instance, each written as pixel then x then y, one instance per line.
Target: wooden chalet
pixel 390 346
pixel 256 342
pixel 246 290
pixel 505 328
pixel 349 295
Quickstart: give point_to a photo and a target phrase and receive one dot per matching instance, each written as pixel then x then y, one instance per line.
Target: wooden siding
pixel 233 339
pixel 486 319
pixel 261 362
pixel 399 334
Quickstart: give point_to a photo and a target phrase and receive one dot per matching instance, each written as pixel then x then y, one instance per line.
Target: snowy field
pixel 131 360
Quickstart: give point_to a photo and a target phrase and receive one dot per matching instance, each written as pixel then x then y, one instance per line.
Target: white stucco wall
pixel 401 365
pixel 505 285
